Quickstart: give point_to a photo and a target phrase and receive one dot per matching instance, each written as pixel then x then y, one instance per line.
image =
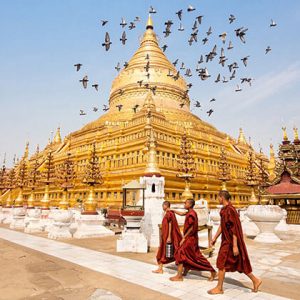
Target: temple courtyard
pixel 34 267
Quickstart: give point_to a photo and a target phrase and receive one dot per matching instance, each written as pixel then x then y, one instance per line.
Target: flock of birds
pixel 202 71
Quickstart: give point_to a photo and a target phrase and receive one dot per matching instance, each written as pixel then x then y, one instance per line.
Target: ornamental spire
pixel 149 23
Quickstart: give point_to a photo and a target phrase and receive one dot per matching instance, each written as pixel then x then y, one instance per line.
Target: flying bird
pixel 137 19
pixel 205 40
pixel 200 61
pixel 224 80
pixel 181 28
pixel 126 64
pixel 218 78
pixel 230 46
pixel 107 42
pixel 153 89
pixel 175 62
pixel 209 112
pixel 84 81
pixel 232 76
pixel 273 23
pixel 95 109
pixel 78 66
pixel 131 26
pixel 119 106
pixel 189 85
pixel 245 60
pixel 241 32
pixel 140 82
pixel 147 56
pixel 209 32
pixel 82 112
pixel 191 8
pixel 182 67
pixel 212 100
pixel 152 10
pixel 197 104
pixel 105 108
pixel 117 67
pixel 104 22
pixel 95 86
pixel 123 39
pixel 231 19
pixel 179 14
pixel 199 19
pixel 181 104
pixel 123 22
pixel 135 108
pixel 223 37
pixel 238 89
pixel 195 26
pixel 268 49
pixel 164 47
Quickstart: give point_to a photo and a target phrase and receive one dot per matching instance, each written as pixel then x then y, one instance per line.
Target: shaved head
pixel 167 203
pixel 191 202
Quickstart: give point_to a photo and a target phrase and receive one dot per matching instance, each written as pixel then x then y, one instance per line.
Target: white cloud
pixel 262 88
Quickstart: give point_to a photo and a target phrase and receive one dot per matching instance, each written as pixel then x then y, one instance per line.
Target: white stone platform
pixel 133 271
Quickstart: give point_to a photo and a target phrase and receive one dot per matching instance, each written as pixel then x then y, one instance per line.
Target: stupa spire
pixel 57 137
pixel 241 138
pixel 149 23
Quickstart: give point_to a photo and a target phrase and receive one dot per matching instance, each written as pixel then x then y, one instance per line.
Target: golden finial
pixel 296 135
pixel 271 150
pixel 285 137
pixel 241 138
pixel 57 138
pixel 149 23
pixel 26 150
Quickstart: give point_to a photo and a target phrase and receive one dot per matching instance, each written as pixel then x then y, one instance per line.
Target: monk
pixel 170 233
pixel 188 255
pixel 233 254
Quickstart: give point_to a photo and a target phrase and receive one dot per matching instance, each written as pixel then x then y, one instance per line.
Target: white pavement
pixel 133 271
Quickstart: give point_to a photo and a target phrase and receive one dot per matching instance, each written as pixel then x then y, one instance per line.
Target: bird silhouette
pixel 231 19
pixel 78 66
pixel 123 22
pixel 268 49
pixel 152 10
pixel 107 42
pixel 179 14
pixel 191 8
pixel 119 106
pixel 84 81
pixel 123 39
pixel 105 108
pixel 82 112
pixel 103 22
pixel 95 86
pixel 209 112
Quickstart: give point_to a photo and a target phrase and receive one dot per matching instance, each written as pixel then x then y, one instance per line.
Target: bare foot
pixel 158 271
pixel 256 285
pixel 176 278
pixel 185 272
pixel 212 276
pixel 215 291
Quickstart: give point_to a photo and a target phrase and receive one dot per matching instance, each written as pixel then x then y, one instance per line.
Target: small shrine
pixel 285 188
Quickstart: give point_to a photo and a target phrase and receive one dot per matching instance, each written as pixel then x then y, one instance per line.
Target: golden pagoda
pixel 121 137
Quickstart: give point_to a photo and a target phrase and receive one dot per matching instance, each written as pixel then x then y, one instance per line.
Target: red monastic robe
pixel 175 237
pixel 231 225
pixel 189 253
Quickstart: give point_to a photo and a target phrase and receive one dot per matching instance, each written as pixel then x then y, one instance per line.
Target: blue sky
pixel 41 41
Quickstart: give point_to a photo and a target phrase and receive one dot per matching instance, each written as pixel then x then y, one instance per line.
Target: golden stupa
pixel 121 137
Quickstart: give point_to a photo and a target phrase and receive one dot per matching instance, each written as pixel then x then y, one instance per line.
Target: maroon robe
pixel 176 237
pixel 231 225
pixel 189 253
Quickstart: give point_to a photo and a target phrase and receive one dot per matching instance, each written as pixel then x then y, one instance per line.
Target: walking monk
pixel 233 254
pixel 188 255
pixel 170 233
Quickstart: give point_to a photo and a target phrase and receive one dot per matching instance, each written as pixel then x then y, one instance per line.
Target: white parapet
pixel 61 224
pixel 33 216
pixel 18 218
pixel 7 215
pixel 266 217
pixel 89 226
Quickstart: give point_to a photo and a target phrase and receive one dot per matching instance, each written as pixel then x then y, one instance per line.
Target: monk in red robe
pixel 188 255
pixel 170 233
pixel 233 254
